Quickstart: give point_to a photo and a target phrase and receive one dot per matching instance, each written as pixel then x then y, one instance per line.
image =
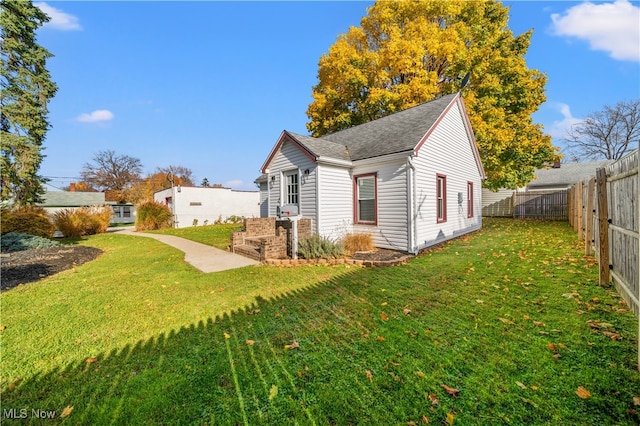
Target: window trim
pixel 469 199
pixel 356 210
pixel 285 186
pixel 441 198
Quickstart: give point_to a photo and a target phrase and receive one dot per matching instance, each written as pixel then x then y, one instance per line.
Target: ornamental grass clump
pixel 358 242
pixel 29 220
pixel 317 247
pixel 76 223
pixel 152 215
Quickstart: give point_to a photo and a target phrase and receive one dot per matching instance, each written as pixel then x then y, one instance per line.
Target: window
pixel 292 193
pixel 469 199
pixel 126 211
pixel 441 198
pixel 365 199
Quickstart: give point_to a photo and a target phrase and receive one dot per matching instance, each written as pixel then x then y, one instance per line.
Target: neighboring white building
pixel 194 206
pixel 411 179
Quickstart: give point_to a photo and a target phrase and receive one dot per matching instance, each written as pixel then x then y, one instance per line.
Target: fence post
pixel 580 209
pixel 603 225
pixel 588 238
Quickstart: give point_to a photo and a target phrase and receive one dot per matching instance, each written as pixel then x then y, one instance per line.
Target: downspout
pixel 411 197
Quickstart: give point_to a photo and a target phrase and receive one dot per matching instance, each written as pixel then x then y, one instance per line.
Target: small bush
pixel 17 242
pixel 358 242
pixel 153 215
pixel 75 223
pixel 27 220
pixel 317 247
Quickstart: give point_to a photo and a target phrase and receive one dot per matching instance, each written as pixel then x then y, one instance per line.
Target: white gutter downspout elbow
pixel 411 197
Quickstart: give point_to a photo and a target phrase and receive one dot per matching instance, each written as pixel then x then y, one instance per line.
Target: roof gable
pixel 397 132
pixel 403 131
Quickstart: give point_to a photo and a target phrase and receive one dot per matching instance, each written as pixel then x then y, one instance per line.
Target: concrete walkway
pixel 201 256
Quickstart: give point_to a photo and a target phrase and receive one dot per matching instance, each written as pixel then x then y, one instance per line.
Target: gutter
pixel 411 197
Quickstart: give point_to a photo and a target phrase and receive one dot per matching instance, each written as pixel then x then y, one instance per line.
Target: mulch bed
pixel 22 267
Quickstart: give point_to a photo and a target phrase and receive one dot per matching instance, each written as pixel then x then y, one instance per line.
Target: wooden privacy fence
pixel 605 212
pixel 548 205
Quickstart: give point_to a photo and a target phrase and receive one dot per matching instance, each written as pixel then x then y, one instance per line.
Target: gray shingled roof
pixel 567 174
pixel 397 132
pixel 321 147
pixel 72 199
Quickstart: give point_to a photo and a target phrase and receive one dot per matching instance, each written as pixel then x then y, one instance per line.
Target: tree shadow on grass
pixel 225 370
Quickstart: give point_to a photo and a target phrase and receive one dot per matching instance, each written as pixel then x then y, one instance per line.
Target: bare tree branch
pixel 608 134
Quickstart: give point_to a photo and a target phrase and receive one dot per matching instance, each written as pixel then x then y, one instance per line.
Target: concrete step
pixel 249 251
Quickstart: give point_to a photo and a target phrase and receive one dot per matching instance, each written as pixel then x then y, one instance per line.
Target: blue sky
pixel 211 85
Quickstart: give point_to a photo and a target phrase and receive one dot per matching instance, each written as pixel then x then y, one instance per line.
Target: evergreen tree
pixel 26 90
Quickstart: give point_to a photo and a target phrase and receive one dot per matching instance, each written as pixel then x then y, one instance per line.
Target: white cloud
pixel 611 27
pixel 560 128
pixel 95 116
pixel 59 19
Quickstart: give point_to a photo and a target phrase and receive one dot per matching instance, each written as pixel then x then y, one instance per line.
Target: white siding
pixel 264 199
pixel 498 203
pixel 207 205
pixel 335 206
pixel 290 157
pixel 391 230
pixel 447 151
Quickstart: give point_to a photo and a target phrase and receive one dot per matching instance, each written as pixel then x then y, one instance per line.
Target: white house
pixel 411 179
pixel 193 206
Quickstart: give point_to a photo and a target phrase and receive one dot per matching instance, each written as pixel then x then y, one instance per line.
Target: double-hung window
pixel 365 189
pixel 292 188
pixel 441 198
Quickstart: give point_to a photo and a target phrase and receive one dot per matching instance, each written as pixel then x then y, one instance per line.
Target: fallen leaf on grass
pixel 553 347
pixel 506 321
pixel 273 392
pixel 380 339
pixel 407 311
pixel 539 324
pixel 612 335
pixel 13 384
pixel 383 304
pixel 66 412
pixel 420 374
pixel 636 400
pixel 369 375
pixel 434 399
pixel 425 420
pixel 227 336
pixel 3 327
pixel 450 418
pixel 583 393
pixel 522 385
pixel 250 342
pixel 384 316
pixel 451 391
pixel 294 345
pixel 91 360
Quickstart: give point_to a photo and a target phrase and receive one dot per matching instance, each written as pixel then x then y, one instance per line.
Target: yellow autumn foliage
pixel 409 52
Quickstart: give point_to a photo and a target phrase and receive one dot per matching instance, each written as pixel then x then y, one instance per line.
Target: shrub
pixel 153 215
pixel 16 242
pixel 75 223
pixel 27 220
pixel 317 247
pixel 358 242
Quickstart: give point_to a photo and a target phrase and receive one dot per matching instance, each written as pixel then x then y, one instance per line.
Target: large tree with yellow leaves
pixel 409 52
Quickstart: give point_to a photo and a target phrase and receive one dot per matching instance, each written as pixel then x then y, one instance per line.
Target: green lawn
pixel 212 235
pixel 501 327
